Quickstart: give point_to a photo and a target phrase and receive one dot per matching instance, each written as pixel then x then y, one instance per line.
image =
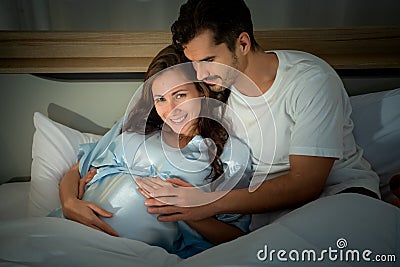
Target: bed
pixel 340 230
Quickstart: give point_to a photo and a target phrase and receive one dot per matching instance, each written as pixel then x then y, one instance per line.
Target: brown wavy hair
pixel 143 117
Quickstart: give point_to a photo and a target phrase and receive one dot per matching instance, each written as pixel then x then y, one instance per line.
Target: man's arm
pixel 78 210
pixel 303 183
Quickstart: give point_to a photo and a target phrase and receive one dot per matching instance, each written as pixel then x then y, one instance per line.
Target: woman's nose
pixel 170 108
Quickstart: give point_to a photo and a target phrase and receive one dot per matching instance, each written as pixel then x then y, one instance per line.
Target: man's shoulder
pixel 292 53
pixel 302 62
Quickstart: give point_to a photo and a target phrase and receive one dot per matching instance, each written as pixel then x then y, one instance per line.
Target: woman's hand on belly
pixel 87 213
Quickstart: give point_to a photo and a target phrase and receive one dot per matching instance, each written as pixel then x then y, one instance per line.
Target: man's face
pixel 215 64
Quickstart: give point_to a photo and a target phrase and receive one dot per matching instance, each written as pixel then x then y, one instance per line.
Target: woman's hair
pixel 227 19
pixel 144 119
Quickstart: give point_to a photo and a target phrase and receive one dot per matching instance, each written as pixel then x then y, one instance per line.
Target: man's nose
pixel 201 71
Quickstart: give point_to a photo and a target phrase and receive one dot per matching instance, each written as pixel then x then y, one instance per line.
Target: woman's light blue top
pixel 121 157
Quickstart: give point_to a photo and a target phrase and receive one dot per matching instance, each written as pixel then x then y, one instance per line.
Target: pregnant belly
pixel 118 194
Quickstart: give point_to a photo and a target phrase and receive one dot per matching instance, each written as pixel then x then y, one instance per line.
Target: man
pixel 315 153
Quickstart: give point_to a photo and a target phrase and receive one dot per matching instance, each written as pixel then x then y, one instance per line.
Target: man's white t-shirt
pixel 306 111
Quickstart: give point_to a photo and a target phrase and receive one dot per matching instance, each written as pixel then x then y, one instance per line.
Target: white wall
pixel 23 94
pixel 159 14
pixel 103 103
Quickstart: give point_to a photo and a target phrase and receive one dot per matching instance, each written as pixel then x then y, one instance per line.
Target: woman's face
pixel 178 106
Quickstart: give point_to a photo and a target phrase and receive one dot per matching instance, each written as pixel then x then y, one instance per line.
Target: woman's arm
pixel 215 231
pixel 70 185
pixel 212 229
pixel 78 210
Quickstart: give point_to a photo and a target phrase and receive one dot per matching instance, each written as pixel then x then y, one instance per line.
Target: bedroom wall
pixel 135 15
pixel 103 103
pixel 100 102
pixel 22 94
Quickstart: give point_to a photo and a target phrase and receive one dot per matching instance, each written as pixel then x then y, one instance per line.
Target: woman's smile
pixel 179 120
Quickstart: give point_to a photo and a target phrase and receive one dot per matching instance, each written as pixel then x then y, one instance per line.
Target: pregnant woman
pixel 175 129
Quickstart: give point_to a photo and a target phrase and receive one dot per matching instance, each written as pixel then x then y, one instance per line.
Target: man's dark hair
pixel 227 19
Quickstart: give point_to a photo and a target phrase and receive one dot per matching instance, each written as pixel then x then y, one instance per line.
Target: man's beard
pixel 231 76
pixel 217 88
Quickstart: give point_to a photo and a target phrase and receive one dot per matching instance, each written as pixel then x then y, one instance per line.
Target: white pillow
pixel 54 150
pixel 376 118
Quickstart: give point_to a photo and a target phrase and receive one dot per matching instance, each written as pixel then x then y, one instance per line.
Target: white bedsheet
pixel 362 222
pixel 46 241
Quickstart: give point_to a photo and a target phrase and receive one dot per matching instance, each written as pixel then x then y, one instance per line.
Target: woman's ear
pixel 244 43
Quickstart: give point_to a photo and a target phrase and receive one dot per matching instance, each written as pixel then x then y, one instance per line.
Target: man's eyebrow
pixel 206 58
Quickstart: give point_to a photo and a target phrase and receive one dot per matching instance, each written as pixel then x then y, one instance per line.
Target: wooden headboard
pixel 358 48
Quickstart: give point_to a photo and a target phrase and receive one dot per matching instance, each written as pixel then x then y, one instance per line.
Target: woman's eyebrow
pixel 174 93
pixel 179 91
